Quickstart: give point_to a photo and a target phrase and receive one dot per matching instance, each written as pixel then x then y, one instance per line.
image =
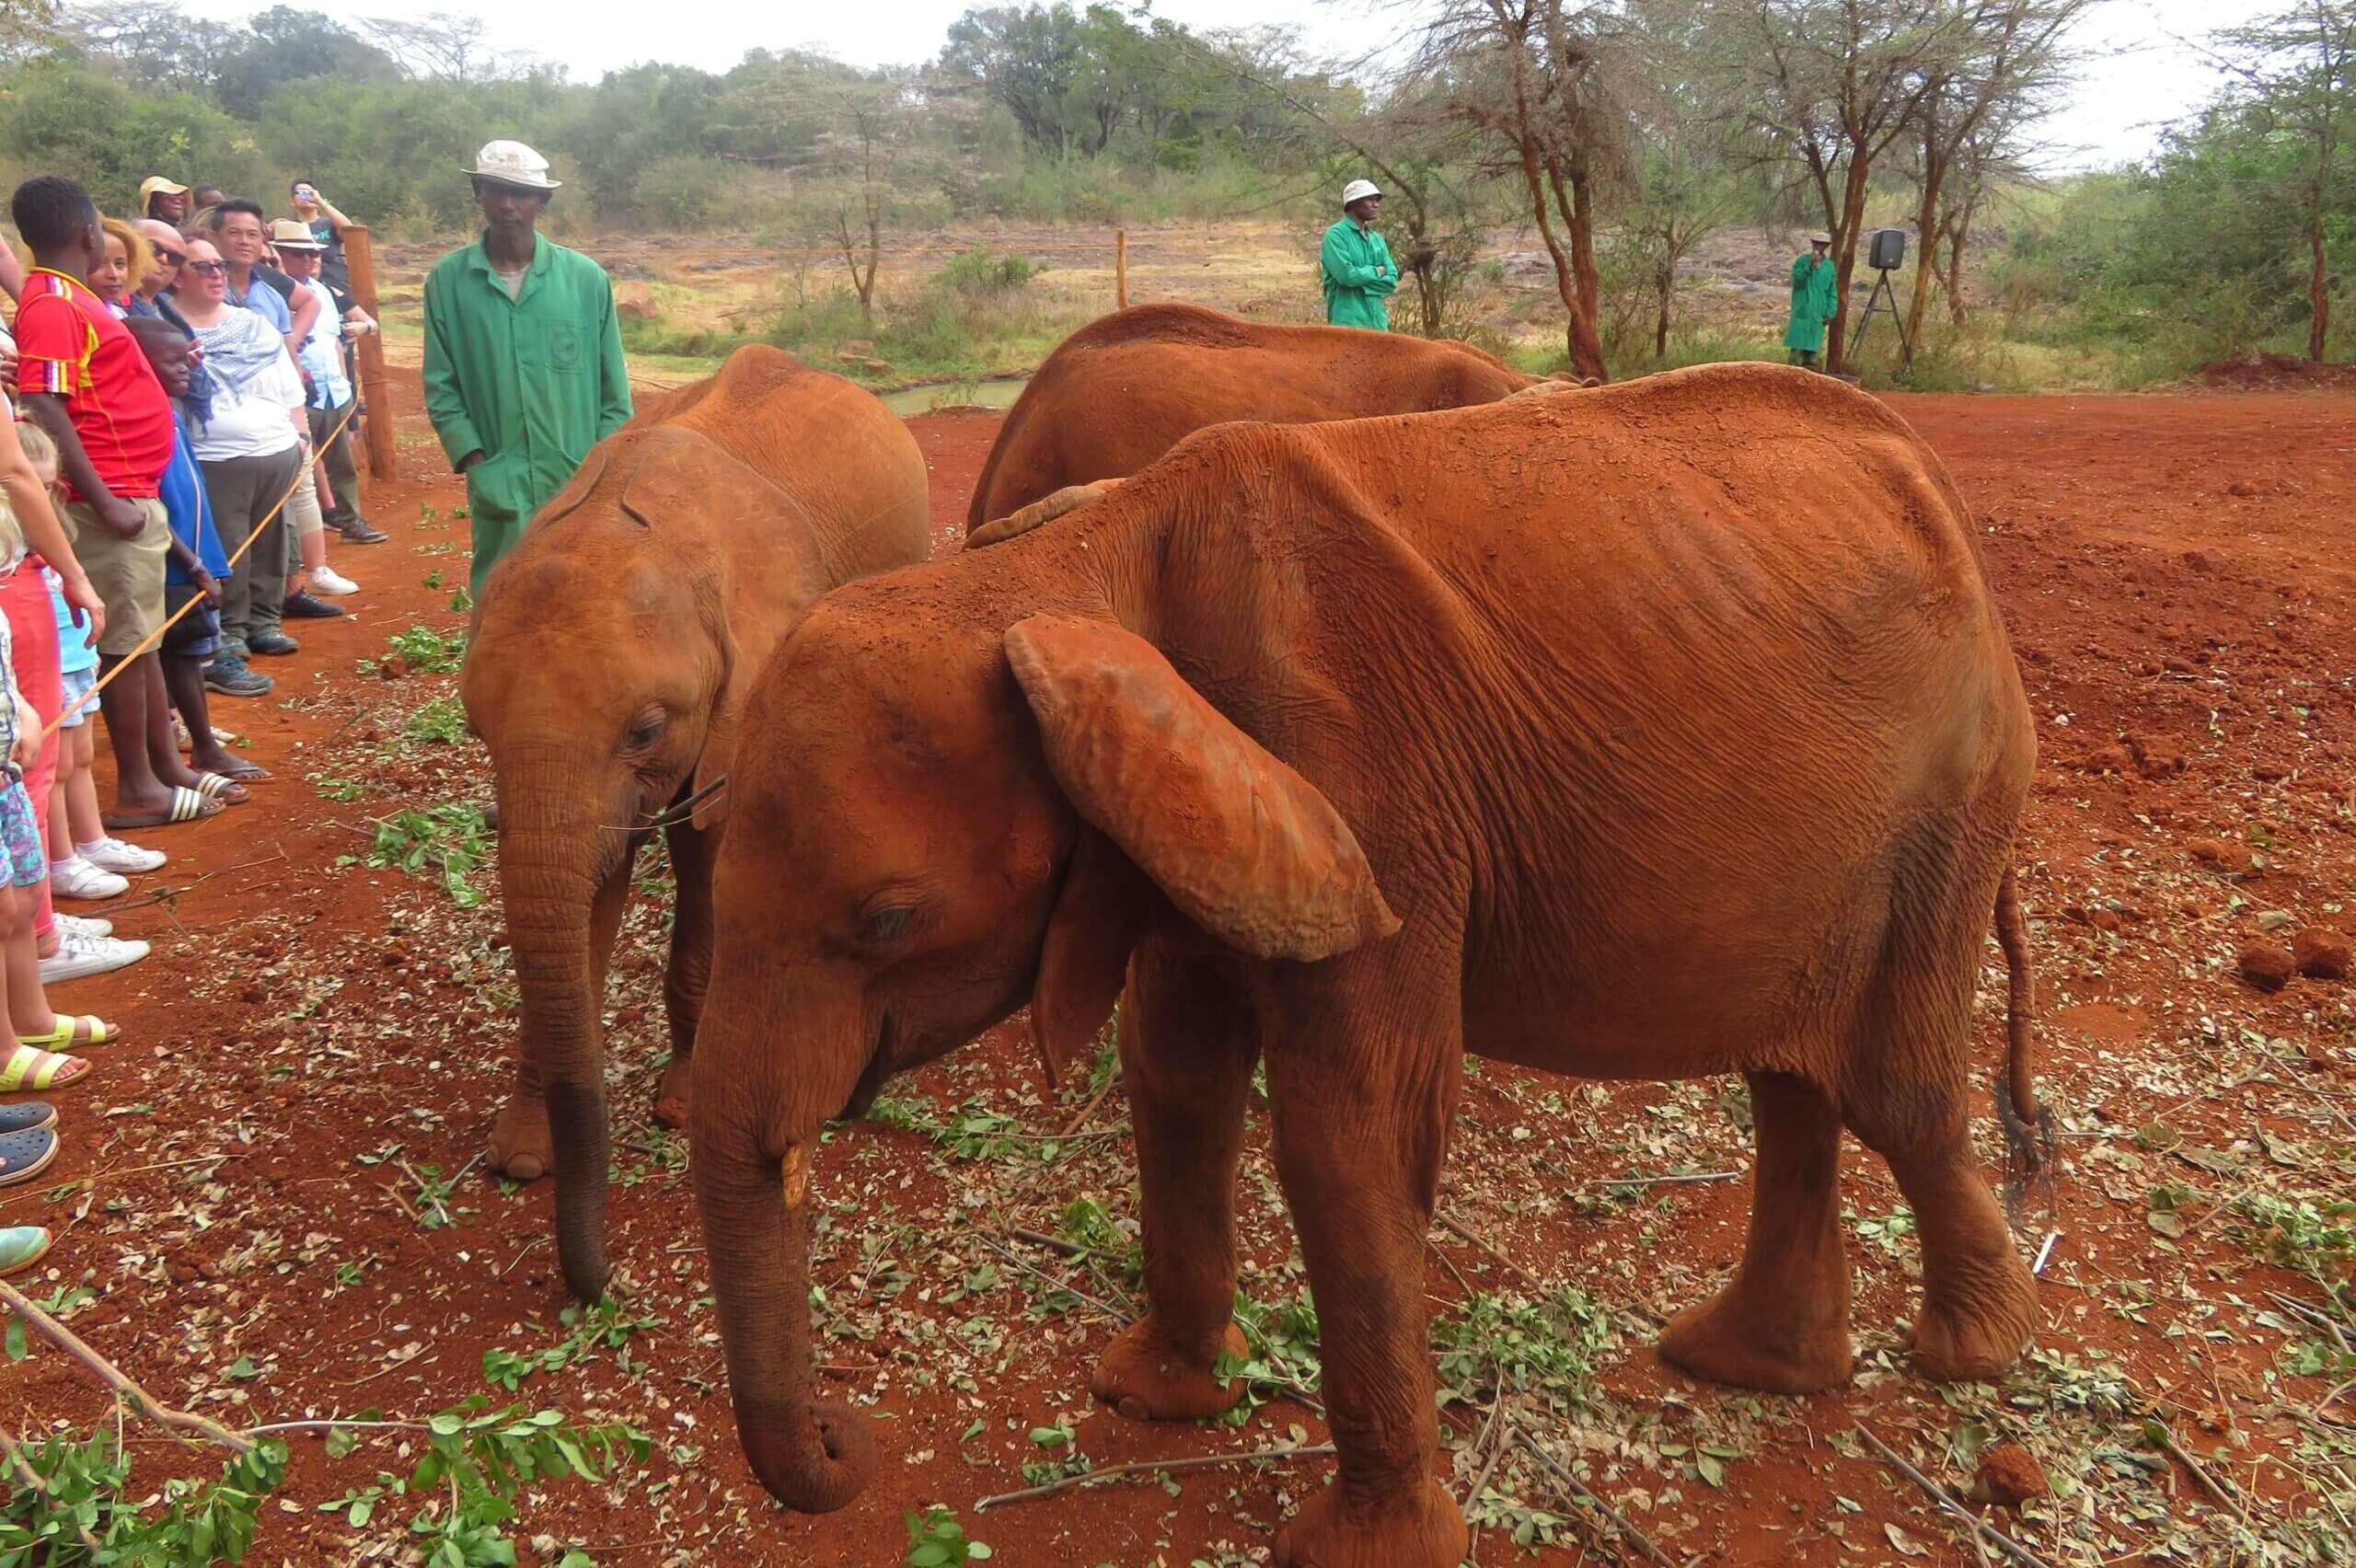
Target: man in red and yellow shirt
pixel 85 382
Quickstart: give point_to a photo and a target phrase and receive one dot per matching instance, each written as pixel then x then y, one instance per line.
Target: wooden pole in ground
pixel 360 259
pixel 1121 267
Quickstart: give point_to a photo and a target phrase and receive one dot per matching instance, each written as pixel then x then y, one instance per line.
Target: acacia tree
pixel 2296 70
pixel 1830 85
pixel 1546 85
pixel 1997 74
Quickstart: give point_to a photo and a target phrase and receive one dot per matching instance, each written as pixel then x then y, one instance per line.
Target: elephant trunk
pixel 552 876
pixel 812 1457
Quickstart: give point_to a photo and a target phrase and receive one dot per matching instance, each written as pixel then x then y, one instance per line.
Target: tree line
pixel 1621 133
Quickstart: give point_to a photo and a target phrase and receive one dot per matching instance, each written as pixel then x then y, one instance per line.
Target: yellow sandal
pixel 80 1032
pixel 30 1067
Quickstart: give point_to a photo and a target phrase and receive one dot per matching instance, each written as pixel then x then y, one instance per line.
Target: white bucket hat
pixel 513 163
pixel 1359 190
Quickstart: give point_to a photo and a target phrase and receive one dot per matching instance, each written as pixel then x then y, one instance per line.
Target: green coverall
pixel 1358 273
pixel 1814 295
pixel 532 383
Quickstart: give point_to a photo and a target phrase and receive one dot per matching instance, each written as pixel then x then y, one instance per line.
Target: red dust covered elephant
pixel 611 655
pixel 1644 733
pixel 1128 386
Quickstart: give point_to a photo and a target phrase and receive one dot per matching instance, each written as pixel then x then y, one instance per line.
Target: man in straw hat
pixel 1356 265
pixel 523 354
pixel 1815 296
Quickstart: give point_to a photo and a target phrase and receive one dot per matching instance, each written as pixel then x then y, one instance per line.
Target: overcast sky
pixel 2138 78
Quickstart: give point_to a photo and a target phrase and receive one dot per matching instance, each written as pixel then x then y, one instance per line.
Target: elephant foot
pixel 1974 1337
pixel 1147 1381
pixel 521 1146
pixel 1729 1339
pixel 671 1096
pixel 1424 1530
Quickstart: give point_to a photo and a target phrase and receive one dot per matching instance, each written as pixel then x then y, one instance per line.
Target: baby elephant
pixel 1646 731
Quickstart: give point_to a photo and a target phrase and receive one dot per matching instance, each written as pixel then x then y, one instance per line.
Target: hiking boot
pixel 302 605
pixel 356 531
pixel 228 675
pixel 272 642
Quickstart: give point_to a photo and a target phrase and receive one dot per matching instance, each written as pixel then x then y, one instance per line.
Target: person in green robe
pixel 1814 297
pixel 523 366
pixel 1355 264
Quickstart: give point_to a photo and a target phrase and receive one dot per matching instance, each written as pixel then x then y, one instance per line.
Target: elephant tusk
pixel 797 1176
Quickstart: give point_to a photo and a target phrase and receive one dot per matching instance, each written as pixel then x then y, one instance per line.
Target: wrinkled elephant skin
pixel 609 657
pixel 1128 386
pixel 1647 732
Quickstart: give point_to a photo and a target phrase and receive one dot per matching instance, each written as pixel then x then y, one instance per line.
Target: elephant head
pixel 609 655
pixel 962 787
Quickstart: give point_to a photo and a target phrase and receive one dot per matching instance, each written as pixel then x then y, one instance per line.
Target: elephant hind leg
pixel 1910 1106
pixel 1782 1324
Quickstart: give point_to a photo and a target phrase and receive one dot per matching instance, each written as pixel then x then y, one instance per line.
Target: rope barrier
pixel 302 478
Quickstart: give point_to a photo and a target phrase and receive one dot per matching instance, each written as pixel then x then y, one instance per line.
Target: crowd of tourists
pixel 181 393
pixel 182 399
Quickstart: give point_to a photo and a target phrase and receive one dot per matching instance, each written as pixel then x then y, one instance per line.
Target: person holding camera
pixel 1815 296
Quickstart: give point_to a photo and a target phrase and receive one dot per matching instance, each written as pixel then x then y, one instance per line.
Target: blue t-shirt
pixel 264 302
pixel 181 489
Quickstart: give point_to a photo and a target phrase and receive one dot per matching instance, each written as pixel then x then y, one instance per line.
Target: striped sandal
pixel 70 1032
pixel 222 787
pixel 30 1067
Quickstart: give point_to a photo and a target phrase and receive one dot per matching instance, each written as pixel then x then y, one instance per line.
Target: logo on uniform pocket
pixel 564 348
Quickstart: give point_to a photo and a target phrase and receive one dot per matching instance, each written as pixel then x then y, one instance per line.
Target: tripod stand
pixel 1886 297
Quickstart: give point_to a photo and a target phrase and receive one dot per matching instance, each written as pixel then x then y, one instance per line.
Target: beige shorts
pixel 127 573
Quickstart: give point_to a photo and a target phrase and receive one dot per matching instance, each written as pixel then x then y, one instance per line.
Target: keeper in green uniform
pixel 523 355
pixel 1354 263
pixel 1814 297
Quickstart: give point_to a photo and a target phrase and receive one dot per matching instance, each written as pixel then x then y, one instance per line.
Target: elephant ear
pixel 759 591
pixel 1084 959
pixel 1240 843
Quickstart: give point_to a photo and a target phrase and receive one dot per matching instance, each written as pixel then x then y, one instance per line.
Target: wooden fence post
pixel 360 259
pixel 1121 267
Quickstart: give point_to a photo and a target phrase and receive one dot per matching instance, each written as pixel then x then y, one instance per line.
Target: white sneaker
pixel 76 878
pixel 78 958
pixel 82 926
pixel 111 854
pixel 326 579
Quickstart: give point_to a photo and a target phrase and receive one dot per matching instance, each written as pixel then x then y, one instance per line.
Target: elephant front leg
pixel 689 972
pixel 1188 1049
pixel 521 1145
pixel 1781 1323
pixel 1361 1132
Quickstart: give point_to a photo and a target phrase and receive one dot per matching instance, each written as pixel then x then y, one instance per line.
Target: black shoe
pixel 228 675
pixel 272 640
pixel 355 531
pixel 302 605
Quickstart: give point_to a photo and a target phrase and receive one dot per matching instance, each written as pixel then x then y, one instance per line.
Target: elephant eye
pixel 644 730
pixel 888 925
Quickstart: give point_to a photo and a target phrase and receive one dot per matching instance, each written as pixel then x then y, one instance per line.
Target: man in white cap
pixel 1354 263
pixel 523 354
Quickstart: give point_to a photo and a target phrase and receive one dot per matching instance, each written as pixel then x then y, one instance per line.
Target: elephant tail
pixel 2029 1124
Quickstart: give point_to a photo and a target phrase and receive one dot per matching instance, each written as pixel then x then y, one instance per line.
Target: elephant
pixel 1128 386
pixel 1647 732
pixel 605 669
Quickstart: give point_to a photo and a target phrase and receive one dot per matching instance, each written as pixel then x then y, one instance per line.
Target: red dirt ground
pixel 2178 574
